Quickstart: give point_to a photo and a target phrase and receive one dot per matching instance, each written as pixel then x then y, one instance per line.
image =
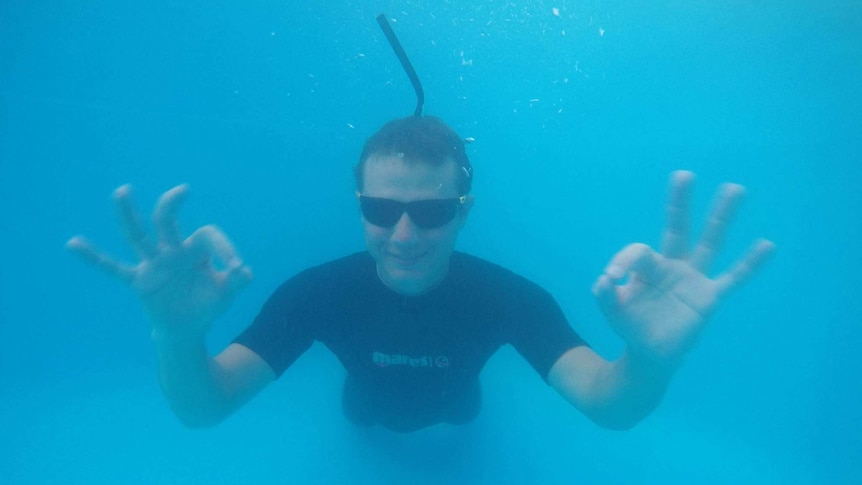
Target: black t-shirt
pixel 410 360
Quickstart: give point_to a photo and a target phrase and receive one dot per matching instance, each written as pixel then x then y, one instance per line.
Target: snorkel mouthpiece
pixel 405 62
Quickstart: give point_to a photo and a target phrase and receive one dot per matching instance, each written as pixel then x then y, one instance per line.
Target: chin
pixel 410 280
pixel 409 276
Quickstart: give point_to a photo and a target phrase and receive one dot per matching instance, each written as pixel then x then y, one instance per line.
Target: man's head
pixel 413 178
pixel 419 139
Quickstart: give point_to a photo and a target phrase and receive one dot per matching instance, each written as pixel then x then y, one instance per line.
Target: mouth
pixel 406 259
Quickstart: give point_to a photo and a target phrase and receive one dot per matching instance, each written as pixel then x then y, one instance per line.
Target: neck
pixel 411 288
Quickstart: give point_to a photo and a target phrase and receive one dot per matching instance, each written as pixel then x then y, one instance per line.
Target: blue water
pixel 262 107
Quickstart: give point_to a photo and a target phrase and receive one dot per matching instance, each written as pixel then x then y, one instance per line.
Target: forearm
pixel 190 380
pixel 628 390
pixel 616 394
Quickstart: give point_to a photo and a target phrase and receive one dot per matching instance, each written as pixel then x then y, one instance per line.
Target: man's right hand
pixel 184 285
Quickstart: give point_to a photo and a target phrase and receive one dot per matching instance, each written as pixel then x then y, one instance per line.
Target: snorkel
pixel 405 62
pixel 458 145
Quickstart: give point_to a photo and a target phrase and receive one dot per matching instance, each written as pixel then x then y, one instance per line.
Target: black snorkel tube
pixel 405 62
pixel 417 86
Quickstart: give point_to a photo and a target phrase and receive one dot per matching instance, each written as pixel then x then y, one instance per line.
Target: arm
pixel 659 304
pixel 614 395
pixel 202 391
pixel 184 285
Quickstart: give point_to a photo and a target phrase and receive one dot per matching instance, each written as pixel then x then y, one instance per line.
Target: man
pixel 412 320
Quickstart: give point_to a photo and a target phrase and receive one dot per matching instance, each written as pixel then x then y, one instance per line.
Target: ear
pixel 358 207
pixel 465 210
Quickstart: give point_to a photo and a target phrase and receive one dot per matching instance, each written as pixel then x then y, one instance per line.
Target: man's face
pixel 411 259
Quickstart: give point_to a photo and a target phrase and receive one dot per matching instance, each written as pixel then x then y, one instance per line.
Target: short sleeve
pixel 283 330
pixel 538 327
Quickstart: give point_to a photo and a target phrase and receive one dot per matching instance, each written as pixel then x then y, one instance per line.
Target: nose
pixel 404 230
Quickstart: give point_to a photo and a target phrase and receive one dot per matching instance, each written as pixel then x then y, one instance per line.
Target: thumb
pixel 236 280
pixel 605 292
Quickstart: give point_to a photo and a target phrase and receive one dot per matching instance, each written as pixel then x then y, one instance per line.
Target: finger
pixel 131 224
pixel 212 242
pixel 236 279
pixel 727 200
pixel 636 259
pixel 745 268
pixel 675 240
pixel 165 215
pixel 606 296
pixel 209 242
pixel 90 254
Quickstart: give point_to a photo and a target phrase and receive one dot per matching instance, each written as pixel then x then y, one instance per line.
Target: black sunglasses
pixel 427 214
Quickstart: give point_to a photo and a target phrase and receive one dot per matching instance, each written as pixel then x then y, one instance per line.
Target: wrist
pixel 178 330
pixel 165 337
pixel 644 362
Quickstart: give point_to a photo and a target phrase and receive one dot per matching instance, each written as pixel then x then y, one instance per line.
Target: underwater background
pixel 580 111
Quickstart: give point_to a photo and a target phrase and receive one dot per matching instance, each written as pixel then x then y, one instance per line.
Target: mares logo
pixel 385 360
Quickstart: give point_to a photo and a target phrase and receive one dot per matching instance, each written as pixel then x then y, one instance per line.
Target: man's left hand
pixel 660 303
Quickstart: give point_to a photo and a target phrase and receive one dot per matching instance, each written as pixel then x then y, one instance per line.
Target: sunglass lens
pixel 381 212
pixel 433 213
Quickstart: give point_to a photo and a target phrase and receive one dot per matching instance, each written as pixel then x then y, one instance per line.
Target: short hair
pixel 418 139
